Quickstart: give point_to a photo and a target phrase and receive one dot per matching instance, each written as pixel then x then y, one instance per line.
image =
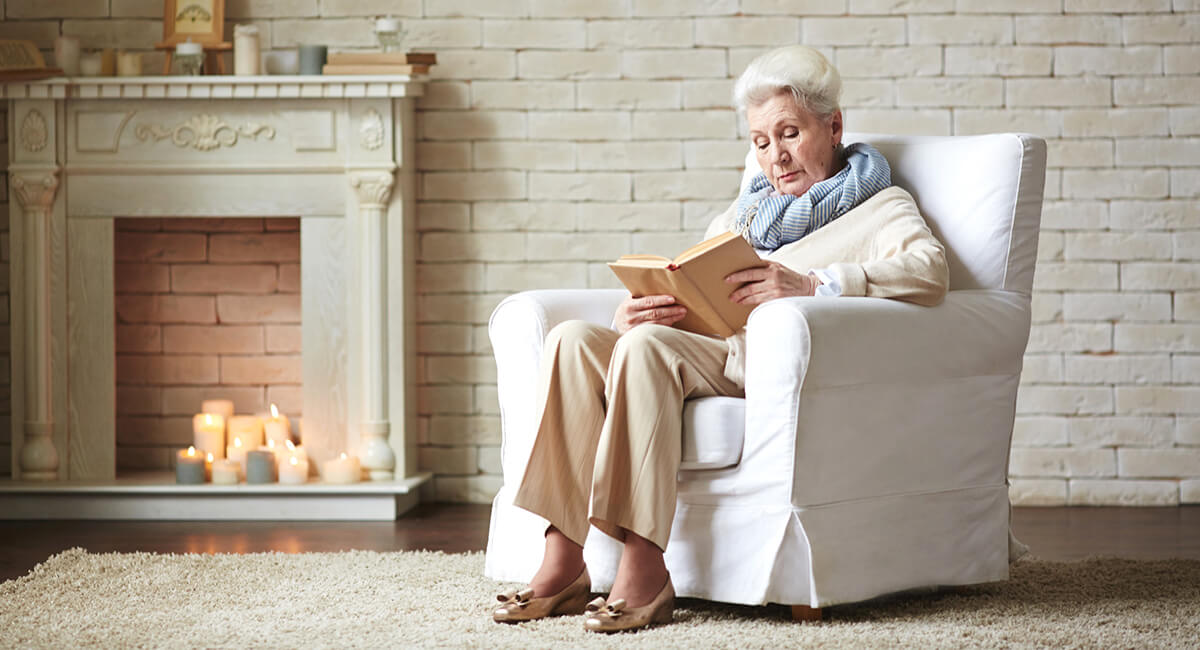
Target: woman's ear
pixel 835 125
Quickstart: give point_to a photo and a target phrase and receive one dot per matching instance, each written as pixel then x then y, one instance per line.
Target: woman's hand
pixel 770 282
pixel 648 309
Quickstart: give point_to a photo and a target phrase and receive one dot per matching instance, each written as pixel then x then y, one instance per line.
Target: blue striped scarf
pixel 769 222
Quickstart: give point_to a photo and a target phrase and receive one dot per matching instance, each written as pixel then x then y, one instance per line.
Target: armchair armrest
pixel 518 328
pixel 879 397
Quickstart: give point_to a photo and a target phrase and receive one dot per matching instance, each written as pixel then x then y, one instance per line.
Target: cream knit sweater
pixel 881 249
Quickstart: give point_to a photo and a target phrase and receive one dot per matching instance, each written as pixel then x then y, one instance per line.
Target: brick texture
pixel 206 309
pixel 559 133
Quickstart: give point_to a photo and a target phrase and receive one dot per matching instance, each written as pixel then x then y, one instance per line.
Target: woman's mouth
pixel 783 178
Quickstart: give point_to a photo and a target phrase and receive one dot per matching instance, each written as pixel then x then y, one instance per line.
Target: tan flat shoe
pixel 522 606
pixel 618 617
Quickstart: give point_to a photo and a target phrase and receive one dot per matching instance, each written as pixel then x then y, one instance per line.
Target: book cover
pixel 381 58
pixel 696 278
pixel 375 68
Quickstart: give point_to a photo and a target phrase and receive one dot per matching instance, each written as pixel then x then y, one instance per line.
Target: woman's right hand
pixel 660 309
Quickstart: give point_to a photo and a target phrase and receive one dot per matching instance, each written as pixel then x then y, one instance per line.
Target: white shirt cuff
pixel 831 281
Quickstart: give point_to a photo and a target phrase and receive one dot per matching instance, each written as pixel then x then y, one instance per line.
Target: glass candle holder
pixel 190 65
pixel 389 34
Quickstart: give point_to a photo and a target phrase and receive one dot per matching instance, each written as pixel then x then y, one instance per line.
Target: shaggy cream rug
pixel 362 599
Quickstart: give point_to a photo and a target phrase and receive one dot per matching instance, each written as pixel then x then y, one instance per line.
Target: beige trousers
pixel 611 426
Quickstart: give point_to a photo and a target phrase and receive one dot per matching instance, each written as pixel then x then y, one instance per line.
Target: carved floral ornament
pixel 35 192
pixel 204 132
pixel 34 132
pixel 372 130
pixel 374 188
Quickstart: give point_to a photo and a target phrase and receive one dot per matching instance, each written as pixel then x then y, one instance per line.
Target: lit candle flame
pixel 271 444
pixel 290 446
pixel 293 461
pixel 208 418
pixel 191 451
pixel 210 458
pixel 344 455
pixel 274 411
pixel 237 442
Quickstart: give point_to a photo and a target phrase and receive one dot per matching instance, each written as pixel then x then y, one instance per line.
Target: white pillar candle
pixel 66 55
pixel 208 433
pixel 247 427
pixel 189 467
pixel 129 64
pixel 236 451
pixel 226 472
pixel 344 469
pixel 387 25
pixel 278 428
pixel 222 407
pixel 294 471
pixel 246 56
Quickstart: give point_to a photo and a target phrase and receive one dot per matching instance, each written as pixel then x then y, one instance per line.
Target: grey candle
pixel 312 59
pixel 189 467
pixel 260 466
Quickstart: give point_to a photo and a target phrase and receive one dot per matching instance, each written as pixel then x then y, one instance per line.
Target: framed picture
pixel 203 21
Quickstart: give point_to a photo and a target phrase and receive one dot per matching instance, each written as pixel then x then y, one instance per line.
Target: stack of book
pixel 408 63
pixel 21 61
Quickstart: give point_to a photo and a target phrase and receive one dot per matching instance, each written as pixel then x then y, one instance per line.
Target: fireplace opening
pixel 206 308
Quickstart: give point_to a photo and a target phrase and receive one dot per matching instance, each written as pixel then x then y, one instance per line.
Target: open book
pixel 696 278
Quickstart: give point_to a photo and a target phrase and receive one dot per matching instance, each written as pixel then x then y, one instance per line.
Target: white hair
pixel 798 69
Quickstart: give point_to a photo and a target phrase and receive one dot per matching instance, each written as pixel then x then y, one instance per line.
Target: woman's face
pixel 794 147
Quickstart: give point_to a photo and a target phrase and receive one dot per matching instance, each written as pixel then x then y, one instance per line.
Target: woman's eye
pixel 762 146
pixel 791 133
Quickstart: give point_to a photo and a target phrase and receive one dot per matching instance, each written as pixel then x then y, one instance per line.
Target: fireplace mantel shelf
pixel 219 87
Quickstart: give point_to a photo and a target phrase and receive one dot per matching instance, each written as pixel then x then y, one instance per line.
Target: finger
pixel 748 275
pixel 744 291
pixel 659 300
pixel 662 314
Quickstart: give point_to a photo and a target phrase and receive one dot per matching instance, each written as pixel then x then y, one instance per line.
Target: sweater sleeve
pixel 906 262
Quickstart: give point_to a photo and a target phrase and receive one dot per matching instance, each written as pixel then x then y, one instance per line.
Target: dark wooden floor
pixel 1052 533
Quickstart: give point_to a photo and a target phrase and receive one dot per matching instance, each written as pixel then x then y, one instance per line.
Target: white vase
pixel 377 457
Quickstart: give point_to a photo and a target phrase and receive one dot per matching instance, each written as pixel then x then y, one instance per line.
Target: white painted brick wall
pixel 560 133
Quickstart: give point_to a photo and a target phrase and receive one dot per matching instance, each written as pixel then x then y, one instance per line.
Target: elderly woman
pixel 827 221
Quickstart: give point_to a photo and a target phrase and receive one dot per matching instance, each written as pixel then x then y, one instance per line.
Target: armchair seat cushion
pixel 714 429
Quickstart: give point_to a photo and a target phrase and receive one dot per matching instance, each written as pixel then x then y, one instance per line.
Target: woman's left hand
pixel 770 282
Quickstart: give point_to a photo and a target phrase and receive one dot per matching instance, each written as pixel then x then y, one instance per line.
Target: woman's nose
pixel 779 154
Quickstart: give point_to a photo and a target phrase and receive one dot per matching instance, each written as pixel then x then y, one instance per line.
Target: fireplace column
pixel 374 190
pixel 35 194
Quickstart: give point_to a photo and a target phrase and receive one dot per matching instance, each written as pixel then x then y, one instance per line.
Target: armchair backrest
pixel 981 196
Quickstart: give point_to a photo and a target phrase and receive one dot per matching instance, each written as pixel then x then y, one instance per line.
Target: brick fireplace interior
pixel 205 309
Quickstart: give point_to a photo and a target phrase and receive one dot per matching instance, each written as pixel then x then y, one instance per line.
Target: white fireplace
pixel 337 152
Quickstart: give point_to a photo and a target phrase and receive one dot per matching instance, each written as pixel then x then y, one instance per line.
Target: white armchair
pixel 870 454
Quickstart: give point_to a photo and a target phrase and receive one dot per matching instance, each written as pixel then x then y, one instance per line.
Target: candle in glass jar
pixel 260 466
pixel 226 472
pixel 208 433
pixel 247 427
pixel 294 471
pixel 129 64
pixel 277 427
pixel 189 467
pixel 344 469
pixel 91 64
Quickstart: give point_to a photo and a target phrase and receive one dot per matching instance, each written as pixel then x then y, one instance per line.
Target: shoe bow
pixel 518 598
pixel 601 607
